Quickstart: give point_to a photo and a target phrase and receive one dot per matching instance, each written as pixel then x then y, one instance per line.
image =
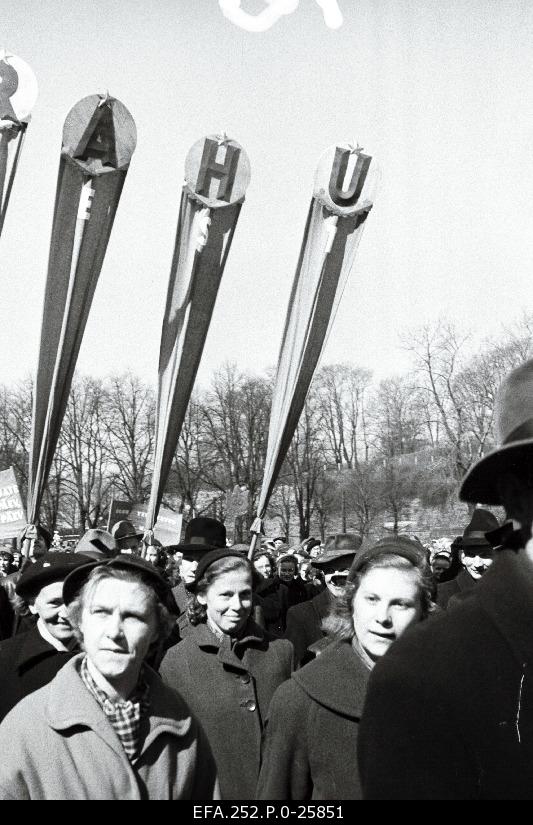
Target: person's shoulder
pixel 166 700
pixel 25 716
pixel 443 641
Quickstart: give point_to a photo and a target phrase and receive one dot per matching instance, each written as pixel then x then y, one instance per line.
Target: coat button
pixel 250 705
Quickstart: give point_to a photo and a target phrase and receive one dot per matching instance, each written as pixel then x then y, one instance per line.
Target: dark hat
pixel 75 581
pixel 339 552
pixel 513 416
pixel 32 532
pixel 123 530
pixel 482 522
pixel 210 558
pixel 52 567
pixel 240 548
pixel 401 546
pixel 202 534
pixel 97 544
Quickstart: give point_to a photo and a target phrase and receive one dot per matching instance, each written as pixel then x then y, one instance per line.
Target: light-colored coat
pixel 58 744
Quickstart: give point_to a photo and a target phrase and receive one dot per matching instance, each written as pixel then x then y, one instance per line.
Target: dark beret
pixel 210 558
pixel 52 567
pixel 75 581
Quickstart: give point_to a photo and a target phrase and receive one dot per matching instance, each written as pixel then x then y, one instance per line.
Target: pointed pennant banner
pixel 345 184
pixel 217 174
pixel 18 95
pixel 99 138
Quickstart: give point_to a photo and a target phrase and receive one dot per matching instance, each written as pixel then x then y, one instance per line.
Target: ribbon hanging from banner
pixel 99 138
pixel 343 194
pixel 18 94
pixel 217 174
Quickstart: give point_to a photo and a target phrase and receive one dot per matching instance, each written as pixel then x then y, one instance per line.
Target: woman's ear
pixel 201 598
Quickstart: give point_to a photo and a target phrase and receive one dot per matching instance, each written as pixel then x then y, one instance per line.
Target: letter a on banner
pixel 99 138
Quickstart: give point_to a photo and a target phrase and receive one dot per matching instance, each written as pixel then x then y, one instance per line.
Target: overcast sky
pixel 439 93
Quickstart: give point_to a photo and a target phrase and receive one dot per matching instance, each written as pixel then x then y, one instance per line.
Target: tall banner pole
pixel 343 195
pixel 99 138
pixel 217 174
pixel 18 95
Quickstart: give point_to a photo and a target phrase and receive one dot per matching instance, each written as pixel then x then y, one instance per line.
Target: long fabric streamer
pixel 332 233
pixel 210 205
pixel 98 141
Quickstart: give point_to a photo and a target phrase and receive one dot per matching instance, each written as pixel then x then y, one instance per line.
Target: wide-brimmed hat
pixel 202 534
pixel 339 551
pixel 97 544
pixel 513 417
pixel 75 581
pixel 482 522
pixel 123 530
pixel 52 567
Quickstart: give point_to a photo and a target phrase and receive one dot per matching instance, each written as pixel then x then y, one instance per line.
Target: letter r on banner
pixel 338 194
pixel 210 168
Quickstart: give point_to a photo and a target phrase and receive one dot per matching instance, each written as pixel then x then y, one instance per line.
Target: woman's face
pixel 228 600
pixel 387 601
pixel 263 567
pixel 118 626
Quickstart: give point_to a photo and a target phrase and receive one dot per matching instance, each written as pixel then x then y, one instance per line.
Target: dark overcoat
pixel 27 663
pixel 449 710
pixel 304 623
pixel 462 584
pixel 229 690
pixel 310 747
pixel 6 615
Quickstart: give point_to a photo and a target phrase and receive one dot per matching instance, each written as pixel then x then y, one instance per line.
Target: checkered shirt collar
pixel 126 716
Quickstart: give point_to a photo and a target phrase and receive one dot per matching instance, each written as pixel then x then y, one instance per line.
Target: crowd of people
pixel 378 669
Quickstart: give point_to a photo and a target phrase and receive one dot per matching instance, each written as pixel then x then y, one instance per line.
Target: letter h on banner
pixel 337 193
pixel 210 168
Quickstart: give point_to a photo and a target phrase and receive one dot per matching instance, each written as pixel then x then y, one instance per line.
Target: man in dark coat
pixel 202 534
pixel 31 659
pixel 477 554
pixel 449 711
pixel 304 621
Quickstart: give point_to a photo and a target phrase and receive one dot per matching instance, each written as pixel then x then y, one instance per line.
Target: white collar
pixel 47 636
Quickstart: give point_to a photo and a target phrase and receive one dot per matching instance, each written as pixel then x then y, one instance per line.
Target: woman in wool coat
pixel 228 668
pixel 311 736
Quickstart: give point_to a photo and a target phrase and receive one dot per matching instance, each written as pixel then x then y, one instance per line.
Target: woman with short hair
pixel 228 668
pixel 311 736
pixel 106 727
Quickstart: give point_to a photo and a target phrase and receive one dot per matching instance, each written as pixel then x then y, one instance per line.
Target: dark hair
pixel 166 621
pixel 289 557
pixel 338 624
pixel 197 612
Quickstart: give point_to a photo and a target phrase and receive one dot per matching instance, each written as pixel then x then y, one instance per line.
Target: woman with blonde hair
pixel 311 735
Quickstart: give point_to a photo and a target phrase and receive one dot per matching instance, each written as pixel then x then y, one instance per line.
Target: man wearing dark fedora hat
pixel 202 534
pixel 127 538
pixel 449 711
pixel 304 621
pixel 477 554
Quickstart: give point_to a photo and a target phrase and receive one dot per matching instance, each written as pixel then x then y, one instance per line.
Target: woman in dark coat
pixel 311 737
pixel 227 669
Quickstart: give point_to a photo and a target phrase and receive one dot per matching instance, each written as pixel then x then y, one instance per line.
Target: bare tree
pixel 130 424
